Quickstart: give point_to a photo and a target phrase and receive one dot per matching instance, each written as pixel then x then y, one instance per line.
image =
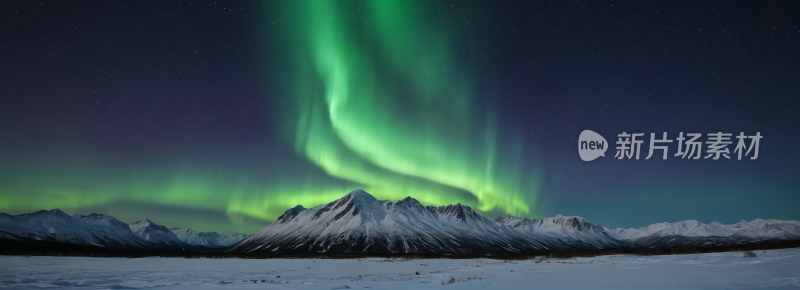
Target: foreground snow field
pixel 775 269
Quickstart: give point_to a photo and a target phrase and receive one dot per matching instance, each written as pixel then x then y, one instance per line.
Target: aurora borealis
pixel 349 125
pixel 219 116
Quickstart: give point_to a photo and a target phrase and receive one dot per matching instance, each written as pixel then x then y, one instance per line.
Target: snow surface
pixel 773 269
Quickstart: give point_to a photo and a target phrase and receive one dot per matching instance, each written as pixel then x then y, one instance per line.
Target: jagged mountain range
pixel 694 233
pixel 107 232
pixel 360 224
pixel 205 239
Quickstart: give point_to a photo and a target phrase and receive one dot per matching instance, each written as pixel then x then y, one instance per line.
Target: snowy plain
pixel 773 269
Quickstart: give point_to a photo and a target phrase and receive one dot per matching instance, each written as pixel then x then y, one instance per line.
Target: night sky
pixel 219 116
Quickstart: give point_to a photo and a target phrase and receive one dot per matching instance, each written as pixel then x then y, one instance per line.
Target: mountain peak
pixel 355 202
pixel 359 194
pixel 52 212
pixel 457 211
pixel 360 198
pixel 145 225
pixel 563 217
pixel 410 201
pixel 144 221
pixel 290 214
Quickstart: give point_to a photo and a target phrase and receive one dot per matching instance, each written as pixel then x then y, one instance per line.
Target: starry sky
pixel 221 115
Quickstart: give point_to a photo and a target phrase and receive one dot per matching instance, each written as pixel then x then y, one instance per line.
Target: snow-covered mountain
pixel 159 235
pixel 102 231
pixel 690 228
pixel 569 232
pixel 56 226
pixel 204 239
pixel 359 223
pixel 692 232
pixel 767 228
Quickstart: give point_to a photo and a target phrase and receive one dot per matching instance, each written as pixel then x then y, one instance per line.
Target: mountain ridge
pixel 96 230
pixel 358 223
pixel 695 233
pixel 207 239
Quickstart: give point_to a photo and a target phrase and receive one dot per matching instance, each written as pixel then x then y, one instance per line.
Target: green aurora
pixel 378 102
pixel 387 113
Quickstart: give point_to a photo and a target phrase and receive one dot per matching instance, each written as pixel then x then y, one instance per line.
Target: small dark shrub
pixel 749 254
